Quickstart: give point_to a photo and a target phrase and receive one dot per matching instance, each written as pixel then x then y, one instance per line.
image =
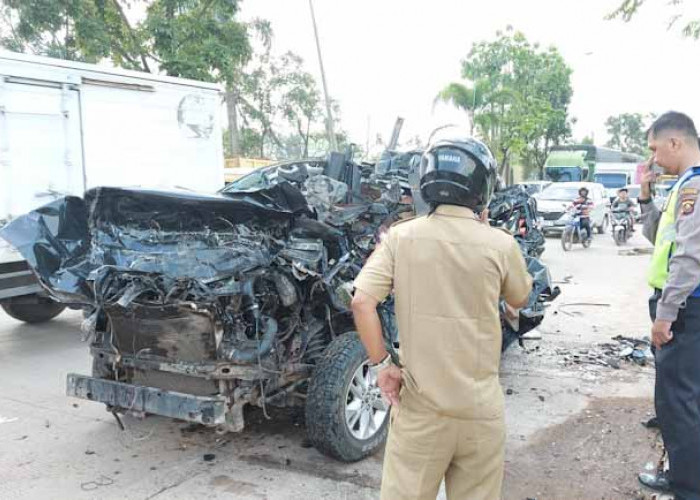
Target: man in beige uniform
pixel 448 270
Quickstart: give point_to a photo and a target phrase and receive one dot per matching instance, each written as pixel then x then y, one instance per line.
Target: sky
pixel 389 58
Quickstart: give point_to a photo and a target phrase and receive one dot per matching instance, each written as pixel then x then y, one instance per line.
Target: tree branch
pixel 132 34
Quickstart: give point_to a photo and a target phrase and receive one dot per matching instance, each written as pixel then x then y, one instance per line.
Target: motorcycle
pixel 573 233
pixel 620 226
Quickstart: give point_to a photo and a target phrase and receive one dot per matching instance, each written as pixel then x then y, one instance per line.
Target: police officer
pixel 675 305
pixel 448 270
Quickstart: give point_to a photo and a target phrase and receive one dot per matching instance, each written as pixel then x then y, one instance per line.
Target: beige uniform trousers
pixel 424 447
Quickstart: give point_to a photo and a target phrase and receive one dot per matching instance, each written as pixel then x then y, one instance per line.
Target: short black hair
pixel 623 189
pixel 673 120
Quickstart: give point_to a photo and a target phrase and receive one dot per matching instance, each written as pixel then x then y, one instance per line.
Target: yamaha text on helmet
pixel 458 172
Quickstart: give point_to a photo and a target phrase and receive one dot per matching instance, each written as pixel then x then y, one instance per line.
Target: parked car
pixel 555 200
pixel 534 188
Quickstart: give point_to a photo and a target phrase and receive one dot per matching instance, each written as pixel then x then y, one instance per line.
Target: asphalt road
pixel 55 447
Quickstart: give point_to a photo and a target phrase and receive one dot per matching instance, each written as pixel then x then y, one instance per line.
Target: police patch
pixel 687 206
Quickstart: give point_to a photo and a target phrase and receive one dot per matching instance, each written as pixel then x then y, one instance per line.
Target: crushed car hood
pixel 173 234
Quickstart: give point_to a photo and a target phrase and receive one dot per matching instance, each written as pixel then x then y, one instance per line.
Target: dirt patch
pixel 594 455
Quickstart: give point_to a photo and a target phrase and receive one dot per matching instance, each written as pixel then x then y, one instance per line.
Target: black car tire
pixel 33 312
pixel 327 400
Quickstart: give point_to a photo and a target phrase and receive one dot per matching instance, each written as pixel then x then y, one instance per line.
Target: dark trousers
pixel 677 399
pixel 586 226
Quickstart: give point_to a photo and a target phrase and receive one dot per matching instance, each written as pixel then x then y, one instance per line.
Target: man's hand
pixel 661 333
pixel 484 216
pixel 512 312
pixel 648 176
pixel 389 382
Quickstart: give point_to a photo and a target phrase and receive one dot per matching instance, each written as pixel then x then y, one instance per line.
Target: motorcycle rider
pixel 582 208
pixel 623 203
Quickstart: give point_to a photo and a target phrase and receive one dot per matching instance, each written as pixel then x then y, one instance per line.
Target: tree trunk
pixel 306 139
pixel 233 132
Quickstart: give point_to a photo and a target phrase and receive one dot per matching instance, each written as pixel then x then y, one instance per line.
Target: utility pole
pixel 329 115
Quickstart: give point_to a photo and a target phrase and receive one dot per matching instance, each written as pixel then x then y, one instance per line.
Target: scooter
pixel 573 233
pixel 620 226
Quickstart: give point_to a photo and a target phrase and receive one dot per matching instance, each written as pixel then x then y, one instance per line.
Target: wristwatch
pixel 385 363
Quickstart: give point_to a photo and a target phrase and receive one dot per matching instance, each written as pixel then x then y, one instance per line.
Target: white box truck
pixel 66 127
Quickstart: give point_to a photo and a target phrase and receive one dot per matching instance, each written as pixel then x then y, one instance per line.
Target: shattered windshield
pixel 258 179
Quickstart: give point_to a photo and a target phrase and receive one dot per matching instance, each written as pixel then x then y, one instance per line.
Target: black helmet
pixel 458 172
pixel 582 189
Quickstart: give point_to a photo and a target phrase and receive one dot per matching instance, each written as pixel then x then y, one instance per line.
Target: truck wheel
pixel 33 312
pixel 346 417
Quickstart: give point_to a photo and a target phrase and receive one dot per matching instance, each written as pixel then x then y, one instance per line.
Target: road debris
pixel 636 251
pixel 610 354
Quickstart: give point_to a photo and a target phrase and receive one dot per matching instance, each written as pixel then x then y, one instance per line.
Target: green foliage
pixel 278 89
pixel 628 132
pixel 519 103
pixel 690 27
pixel 198 39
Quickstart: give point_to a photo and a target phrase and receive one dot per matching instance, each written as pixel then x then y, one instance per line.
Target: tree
pixel 518 99
pixel 468 99
pixel 301 101
pixel 199 39
pixel 690 27
pixel 628 132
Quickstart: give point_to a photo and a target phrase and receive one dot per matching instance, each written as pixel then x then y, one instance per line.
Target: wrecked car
pixel 514 209
pixel 198 305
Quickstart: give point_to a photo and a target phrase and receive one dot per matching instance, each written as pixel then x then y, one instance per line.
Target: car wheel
pixel 39 311
pixel 346 417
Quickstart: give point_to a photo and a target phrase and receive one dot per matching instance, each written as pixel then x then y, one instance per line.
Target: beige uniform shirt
pixel 448 271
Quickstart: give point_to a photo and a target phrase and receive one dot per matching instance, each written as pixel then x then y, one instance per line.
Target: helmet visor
pixel 448 159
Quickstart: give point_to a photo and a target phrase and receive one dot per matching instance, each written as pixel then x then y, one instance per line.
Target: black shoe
pixel 657 482
pixel 652 423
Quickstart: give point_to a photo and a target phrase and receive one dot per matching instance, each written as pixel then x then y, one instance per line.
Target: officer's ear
pixel 676 143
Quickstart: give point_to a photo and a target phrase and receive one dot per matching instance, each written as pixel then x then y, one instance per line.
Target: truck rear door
pixel 40 144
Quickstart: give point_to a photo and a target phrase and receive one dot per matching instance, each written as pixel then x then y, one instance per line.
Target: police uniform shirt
pixel 684 264
pixel 448 271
